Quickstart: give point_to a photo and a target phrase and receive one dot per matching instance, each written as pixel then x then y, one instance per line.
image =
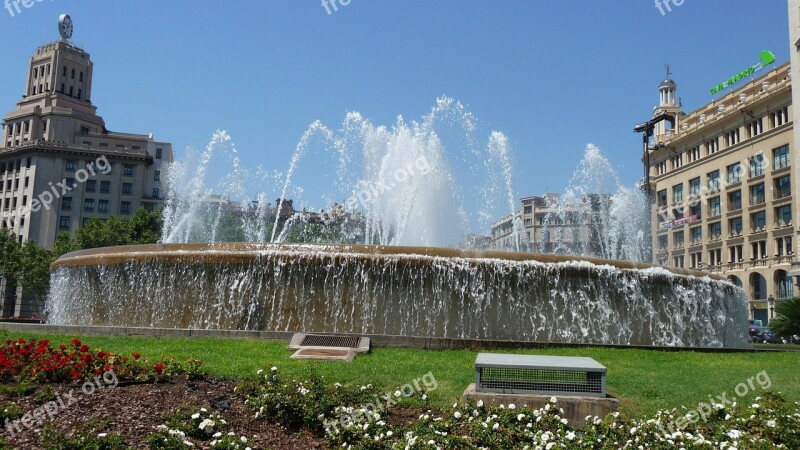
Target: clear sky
pixel 551 75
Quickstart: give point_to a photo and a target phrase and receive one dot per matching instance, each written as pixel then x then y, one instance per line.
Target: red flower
pixel 137 356
pixel 159 367
pixel 62 347
pixel 84 348
pixel 76 342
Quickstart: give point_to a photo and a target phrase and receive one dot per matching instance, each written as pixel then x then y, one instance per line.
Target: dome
pixel 667 83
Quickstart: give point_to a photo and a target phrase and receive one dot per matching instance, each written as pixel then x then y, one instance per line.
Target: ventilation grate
pixel 520 374
pixel 319 340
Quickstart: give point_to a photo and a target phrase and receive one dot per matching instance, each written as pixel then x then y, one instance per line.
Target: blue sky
pixel 551 75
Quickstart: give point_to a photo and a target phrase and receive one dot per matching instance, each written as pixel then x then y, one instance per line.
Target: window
pixel 677 193
pixel 714 208
pixel 127 188
pixel 677 239
pixel 125 208
pixel 734 173
pixel 696 211
pixel 677 161
pixel 779 117
pixel 72 165
pixel 715 230
pixel 70 182
pixel 662 197
pixel 783 187
pixel 757 194
pixel 70 91
pixel 157 177
pixel 64 222
pixel 88 204
pixel 694 187
pixel 735 201
pixel 158 153
pixel 662 242
pixel 105 186
pixel 713 180
pixel 80 78
pixel 781 156
pixel 693 153
pixel 697 235
pixel 91 185
pixel 758 221
pixel 86 221
pixel 157 194
pixel 756 165
pixel 712 146
pixel 64 72
pixel 84 131
pixel 102 206
pixel 735 226
pixel 73 74
pixel 66 202
pixel 783 215
pixel 732 137
pixel 661 168
pixel 127 170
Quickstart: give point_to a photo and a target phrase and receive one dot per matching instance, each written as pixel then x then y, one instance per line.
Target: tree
pixel 34 268
pixel 9 254
pixel 145 227
pixel 787 318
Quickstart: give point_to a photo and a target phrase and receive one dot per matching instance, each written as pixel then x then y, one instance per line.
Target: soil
pixel 136 410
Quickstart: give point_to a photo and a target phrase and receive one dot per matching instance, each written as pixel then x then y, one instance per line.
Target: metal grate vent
pixel 319 340
pixel 520 374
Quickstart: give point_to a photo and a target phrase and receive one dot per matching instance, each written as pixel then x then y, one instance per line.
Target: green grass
pixel 643 380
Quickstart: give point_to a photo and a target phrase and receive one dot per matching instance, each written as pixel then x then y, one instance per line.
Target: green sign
pixel 766 57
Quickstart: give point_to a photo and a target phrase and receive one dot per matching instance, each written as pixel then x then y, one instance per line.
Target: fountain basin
pixel 402 291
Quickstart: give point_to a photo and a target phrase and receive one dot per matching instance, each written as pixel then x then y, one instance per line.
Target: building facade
pixel 724 186
pixel 59 164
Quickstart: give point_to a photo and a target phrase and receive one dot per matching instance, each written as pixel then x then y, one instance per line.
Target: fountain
pixel 615 216
pixel 392 276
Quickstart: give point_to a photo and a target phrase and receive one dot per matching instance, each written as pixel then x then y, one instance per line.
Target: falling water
pixel 401 291
pixel 598 216
pixel 428 182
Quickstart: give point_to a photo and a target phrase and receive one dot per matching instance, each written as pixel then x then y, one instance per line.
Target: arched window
pixel 783 285
pixel 758 286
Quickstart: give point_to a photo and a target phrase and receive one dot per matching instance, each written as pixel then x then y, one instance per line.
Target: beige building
pixel 547 225
pixel 723 181
pixel 59 164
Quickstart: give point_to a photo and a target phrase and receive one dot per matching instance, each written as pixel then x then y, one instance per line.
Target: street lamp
pixel 647 128
pixel 771 301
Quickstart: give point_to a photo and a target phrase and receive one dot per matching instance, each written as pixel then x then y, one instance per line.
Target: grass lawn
pixel 643 380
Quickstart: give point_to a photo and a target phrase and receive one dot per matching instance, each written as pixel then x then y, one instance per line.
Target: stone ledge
pixel 575 408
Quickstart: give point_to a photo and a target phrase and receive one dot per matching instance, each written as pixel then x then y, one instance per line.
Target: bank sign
pixel 766 57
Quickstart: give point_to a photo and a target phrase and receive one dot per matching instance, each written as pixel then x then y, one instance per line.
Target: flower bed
pixel 351 420
pixel 39 361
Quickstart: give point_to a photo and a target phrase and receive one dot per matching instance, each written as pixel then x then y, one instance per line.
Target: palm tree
pixel 787 318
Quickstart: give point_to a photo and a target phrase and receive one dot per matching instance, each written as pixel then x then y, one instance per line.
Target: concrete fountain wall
pixel 405 291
